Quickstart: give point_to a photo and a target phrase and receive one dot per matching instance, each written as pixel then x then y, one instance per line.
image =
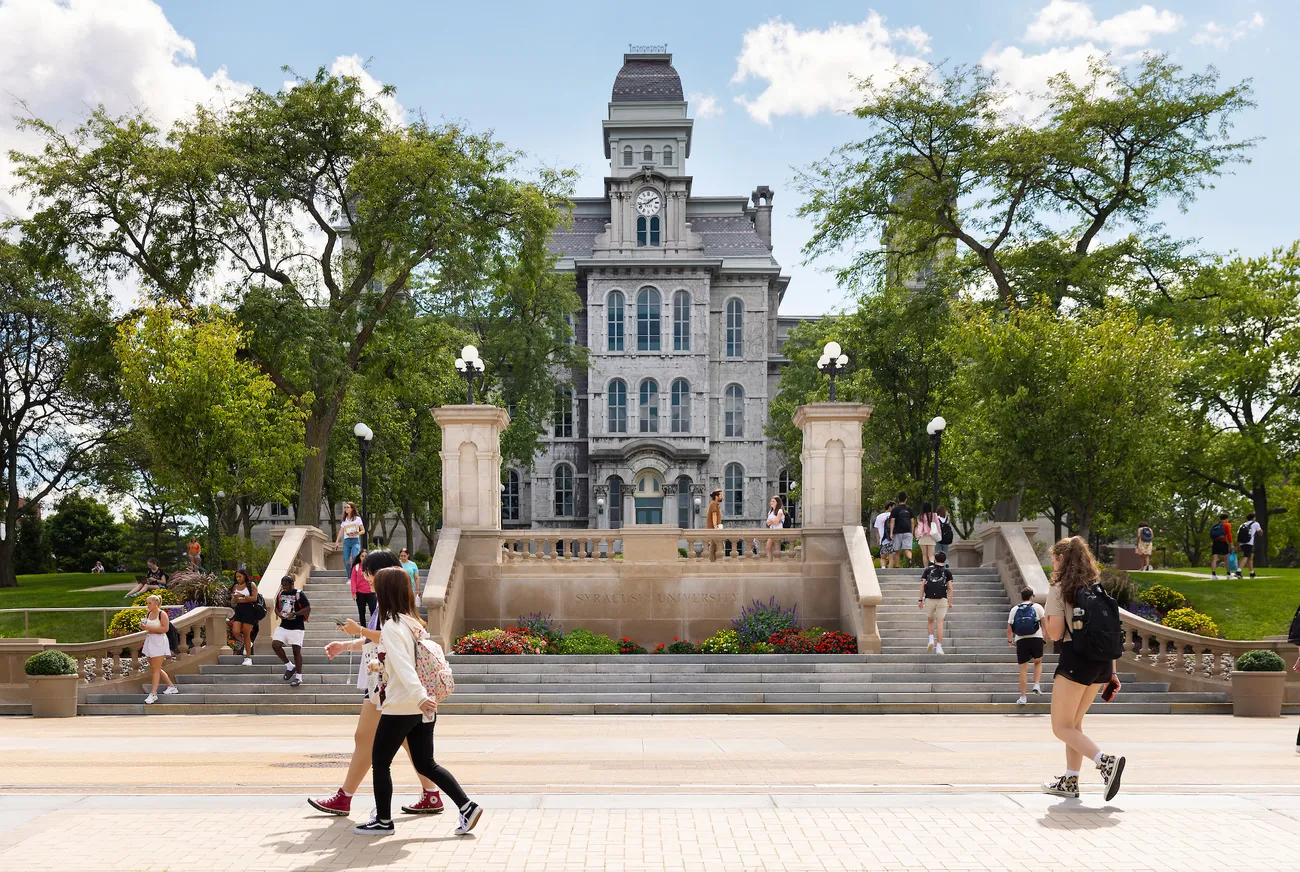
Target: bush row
pixel 1170 608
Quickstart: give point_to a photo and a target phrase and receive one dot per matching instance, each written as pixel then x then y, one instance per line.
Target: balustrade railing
pixel 726 544
pixel 1187 654
pixel 740 544
pixel 561 545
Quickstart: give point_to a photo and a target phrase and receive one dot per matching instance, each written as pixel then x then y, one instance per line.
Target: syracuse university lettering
pixel 640 598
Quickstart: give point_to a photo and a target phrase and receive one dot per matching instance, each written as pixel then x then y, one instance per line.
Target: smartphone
pixel 1112 688
pixel 339 621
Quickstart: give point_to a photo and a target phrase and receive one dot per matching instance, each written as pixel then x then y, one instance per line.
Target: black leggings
pixel 389 735
pixel 363 600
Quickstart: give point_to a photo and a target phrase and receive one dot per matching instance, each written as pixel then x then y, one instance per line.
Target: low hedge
pixel 50 663
pixel 1191 621
pixel 1260 661
pixel 582 641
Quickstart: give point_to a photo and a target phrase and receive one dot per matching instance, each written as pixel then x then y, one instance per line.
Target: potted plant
pixel 52 683
pixel 1258 684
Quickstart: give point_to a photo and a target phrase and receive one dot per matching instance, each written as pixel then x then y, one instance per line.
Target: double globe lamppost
pixel 833 362
pixel 935 428
pixel 365 437
pixel 470 365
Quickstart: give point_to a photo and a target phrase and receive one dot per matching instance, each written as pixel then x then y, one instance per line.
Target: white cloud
pixel 706 105
pixel 1025 75
pixel 811 71
pixel 355 66
pixel 1073 21
pixel 1212 34
pixel 64 58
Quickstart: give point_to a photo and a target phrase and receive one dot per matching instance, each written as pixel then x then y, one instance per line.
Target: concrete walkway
pixel 662 793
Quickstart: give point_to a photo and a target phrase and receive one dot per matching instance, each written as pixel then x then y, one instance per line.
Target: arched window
pixel 563 417
pixel 648 327
pixel 668 155
pixel 733 412
pixel 654 231
pixel 641 236
pixel 614 320
pixel 681 406
pixel 647 231
pixel 510 498
pixel 735 328
pixel 733 490
pixel 681 321
pixel 563 491
pixel 617 401
pixel 627 156
pixel 648 154
pixel 649 406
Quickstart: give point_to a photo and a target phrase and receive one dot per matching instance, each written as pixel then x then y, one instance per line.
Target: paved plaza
pixel 661 793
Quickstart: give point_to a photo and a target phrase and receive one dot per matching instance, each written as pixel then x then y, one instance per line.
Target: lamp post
pixel 364 436
pixel 935 428
pixel 214 531
pixel 470 365
pixel 832 362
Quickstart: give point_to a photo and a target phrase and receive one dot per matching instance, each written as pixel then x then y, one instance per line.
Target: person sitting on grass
pixel 154 579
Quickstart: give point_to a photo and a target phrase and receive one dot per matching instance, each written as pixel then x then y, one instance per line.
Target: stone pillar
pixel 832 462
pixel 471 465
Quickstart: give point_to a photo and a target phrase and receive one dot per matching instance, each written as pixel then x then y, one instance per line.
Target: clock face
pixel 647 202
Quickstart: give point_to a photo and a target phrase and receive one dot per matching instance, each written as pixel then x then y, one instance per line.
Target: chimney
pixel 762 198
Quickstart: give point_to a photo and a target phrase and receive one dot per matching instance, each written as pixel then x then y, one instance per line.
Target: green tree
pixel 58 403
pixel 1059 205
pixel 32 548
pixel 315 210
pixel 211 421
pixel 83 531
pixel 1082 408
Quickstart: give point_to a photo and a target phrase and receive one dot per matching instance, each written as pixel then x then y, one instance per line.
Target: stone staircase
pixel 977 674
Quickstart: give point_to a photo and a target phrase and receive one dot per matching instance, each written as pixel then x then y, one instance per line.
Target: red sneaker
pixel 339 803
pixel 430 803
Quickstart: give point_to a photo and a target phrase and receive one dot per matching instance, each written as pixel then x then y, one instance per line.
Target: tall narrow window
pixel 510 498
pixel 641 232
pixel 654 231
pixel 614 321
pixel 649 411
pixel 617 403
pixel 681 406
pixel 683 502
pixel 648 154
pixel 648 327
pixel 783 486
pixel 627 156
pixel 563 491
pixel 668 155
pixel 735 328
pixel 733 412
pixel 563 420
pixel 681 321
pixel 733 490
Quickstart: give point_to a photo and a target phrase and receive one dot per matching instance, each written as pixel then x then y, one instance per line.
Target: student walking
pixel 1246 543
pixel 407 713
pixel 349 535
pixel 1025 634
pixel 927 533
pixel 1220 545
pixel 294 609
pixel 1082 614
pixel 775 521
pixel 903 527
pixel 1146 543
pixel 883 538
pixel 362 592
pixel 243 597
pixel 340 803
pixel 713 521
pixel 413 570
pixel 936 599
pixel 156 646
pixel 945 529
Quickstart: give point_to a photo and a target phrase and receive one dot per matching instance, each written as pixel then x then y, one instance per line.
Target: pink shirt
pixel 357 582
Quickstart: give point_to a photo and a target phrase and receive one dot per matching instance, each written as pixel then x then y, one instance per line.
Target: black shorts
pixel 1029 648
pixel 1246 550
pixel 1219 548
pixel 1083 671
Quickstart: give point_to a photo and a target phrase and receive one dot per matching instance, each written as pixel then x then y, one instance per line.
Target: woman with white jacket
pixel 406 711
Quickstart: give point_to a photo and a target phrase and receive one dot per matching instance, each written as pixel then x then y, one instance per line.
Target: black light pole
pixel 832 362
pixel 470 365
pixel 935 428
pixel 364 435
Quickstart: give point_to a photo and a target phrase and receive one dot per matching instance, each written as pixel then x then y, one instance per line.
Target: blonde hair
pixel 1077 570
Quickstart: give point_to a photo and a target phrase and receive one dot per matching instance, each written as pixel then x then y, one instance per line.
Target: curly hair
pixel 1078 568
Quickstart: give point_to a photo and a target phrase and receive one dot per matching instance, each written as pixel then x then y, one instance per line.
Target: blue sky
pixel 539 75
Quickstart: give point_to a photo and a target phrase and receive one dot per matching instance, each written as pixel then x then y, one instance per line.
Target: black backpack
pixel 1293 635
pixel 1243 534
pixel 1147 535
pixel 936 582
pixel 945 532
pixel 173 636
pixel 1218 533
pixel 1102 636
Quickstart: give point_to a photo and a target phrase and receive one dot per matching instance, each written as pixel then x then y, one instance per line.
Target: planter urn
pixel 1258 694
pixel 53 696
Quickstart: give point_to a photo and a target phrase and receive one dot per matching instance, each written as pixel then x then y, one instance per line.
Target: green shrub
pixel 1119 584
pixel 421 559
pixel 204 588
pixel 722 642
pixel 627 646
pixel 681 552
pixel 1161 598
pixel 1260 661
pixel 168 597
pixel 759 648
pixel 812 634
pixel 676 646
pixel 758 622
pixel 50 663
pixel 582 641
pixel 125 622
pixel 1191 621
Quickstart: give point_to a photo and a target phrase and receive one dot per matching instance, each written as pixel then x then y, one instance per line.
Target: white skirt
pixel 156 646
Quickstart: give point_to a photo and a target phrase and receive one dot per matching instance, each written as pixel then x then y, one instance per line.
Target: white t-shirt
pixel 880 524
pixel 1038 611
pixel 1254 528
pixel 351 528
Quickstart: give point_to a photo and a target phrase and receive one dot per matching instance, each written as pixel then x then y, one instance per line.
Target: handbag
pixel 1293 635
pixel 259 608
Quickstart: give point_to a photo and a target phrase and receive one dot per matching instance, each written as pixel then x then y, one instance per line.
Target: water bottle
pixel 1076 622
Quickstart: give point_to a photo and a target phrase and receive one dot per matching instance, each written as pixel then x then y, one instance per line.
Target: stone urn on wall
pixel 1258 685
pixel 52 684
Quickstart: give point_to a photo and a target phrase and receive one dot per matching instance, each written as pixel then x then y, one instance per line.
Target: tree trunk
pixel 1259 502
pixel 214 538
pixel 313 470
pixel 408 519
pixel 8 572
pixel 1008 511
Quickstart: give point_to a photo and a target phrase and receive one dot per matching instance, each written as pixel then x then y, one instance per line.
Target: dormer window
pixel 668 155
pixel 648 154
pixel 627 156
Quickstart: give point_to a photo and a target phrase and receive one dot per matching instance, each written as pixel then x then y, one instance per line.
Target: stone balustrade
pixel 518 547
pixel 739 544
pixel 694 545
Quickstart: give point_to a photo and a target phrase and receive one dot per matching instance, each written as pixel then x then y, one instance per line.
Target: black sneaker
pixel 1112 768
pixel 288 672
pixel 1252 575
pixel 469 816
pixel 375 827
pixel 296 680
pixel 1064 785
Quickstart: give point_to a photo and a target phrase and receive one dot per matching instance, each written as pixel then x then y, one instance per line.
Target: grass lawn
pixel 1249 608
pixel 60 590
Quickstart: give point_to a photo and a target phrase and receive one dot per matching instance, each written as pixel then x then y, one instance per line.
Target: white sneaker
pixel 1038 689
pixel 469 818
pixel 151 699
pixel 929 648
pixel 1022 701
pixel 938 648
pixel 248 661
pixel 173 689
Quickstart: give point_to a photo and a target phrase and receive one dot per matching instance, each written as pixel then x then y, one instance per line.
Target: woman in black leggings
pixel 406 711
